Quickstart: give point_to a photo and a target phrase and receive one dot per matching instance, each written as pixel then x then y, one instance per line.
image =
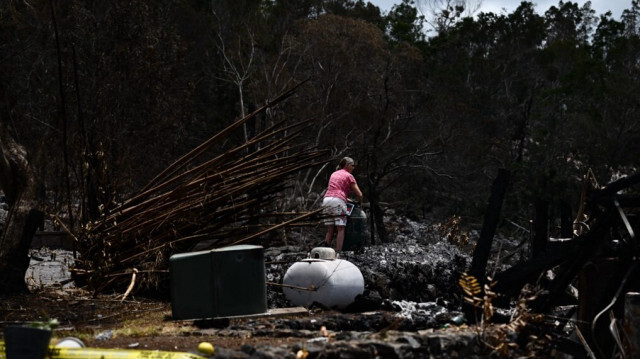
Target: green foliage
pixel 405 24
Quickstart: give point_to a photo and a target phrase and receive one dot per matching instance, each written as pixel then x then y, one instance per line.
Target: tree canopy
pixel 103 95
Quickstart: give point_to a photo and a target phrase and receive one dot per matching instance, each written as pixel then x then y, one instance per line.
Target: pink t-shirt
pixel 340 184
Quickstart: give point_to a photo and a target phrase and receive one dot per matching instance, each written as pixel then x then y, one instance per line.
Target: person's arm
pixel 356 190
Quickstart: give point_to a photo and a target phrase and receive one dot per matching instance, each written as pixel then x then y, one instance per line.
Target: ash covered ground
pixel 411 305
pixel 415 275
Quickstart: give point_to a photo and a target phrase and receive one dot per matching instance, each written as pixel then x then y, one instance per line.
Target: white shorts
pixel 335 210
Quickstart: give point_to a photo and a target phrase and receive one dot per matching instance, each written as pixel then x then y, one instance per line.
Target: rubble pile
pixel 413 303
pixel 415 277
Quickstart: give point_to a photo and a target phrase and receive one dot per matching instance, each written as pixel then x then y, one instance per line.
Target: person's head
pixel 346 163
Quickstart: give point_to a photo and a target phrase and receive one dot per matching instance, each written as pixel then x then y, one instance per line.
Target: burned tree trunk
pixel 483 248
pixel 377 217
pixel 491 218
pixel 18 183
pixel 540 227
pixel 566 220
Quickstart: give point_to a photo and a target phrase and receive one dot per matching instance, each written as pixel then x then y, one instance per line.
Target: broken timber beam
pixel 574 252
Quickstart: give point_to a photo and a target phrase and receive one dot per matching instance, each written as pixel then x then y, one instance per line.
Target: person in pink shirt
pixel 341 184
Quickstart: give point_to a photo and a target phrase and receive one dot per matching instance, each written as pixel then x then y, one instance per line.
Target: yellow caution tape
pixel 98 353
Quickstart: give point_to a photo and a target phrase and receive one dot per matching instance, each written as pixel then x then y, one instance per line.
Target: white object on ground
pixel 332 283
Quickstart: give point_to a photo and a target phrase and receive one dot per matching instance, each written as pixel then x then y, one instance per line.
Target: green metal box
pixel 223 282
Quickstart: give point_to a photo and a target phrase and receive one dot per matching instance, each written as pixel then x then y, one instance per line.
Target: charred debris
pixel 225 198
pixel 582 289
pixel 578 291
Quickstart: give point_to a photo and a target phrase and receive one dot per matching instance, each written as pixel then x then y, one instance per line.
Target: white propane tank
pixel 334 283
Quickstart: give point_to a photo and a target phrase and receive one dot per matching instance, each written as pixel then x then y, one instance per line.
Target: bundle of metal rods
pixel 224 199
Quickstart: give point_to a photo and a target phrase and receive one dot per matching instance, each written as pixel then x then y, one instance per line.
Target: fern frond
pixel 470 284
